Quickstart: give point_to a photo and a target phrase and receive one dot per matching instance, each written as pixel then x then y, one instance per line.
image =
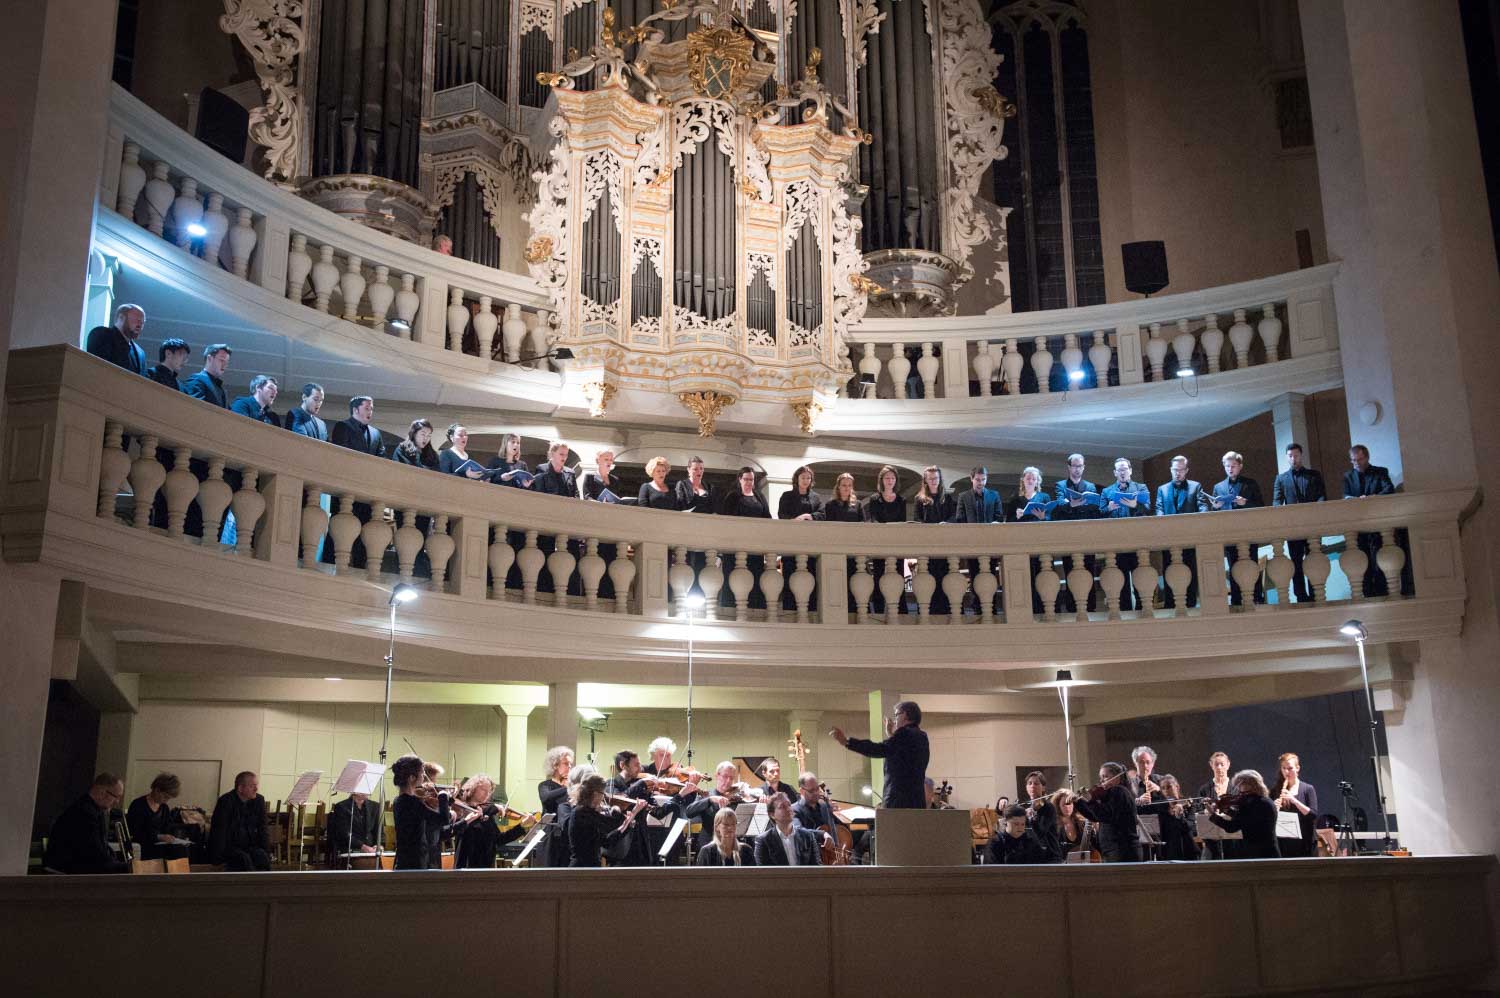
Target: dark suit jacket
pixel 1167 501
pixel 687 500
pixel 246 405
pixel 1226 491
pixel 366 828
pixel 1026 849
pixel 905 754
pixel 979 509
pixel 811 816
pixel 1376 481
pixel 299 420
pixel 79 841
pixel 769 851
pixel 163 375
pixel 1067 512
pixel 208 388
pixel 555 483
pixel 238 824
pixel 108 343
pixel 365 439
pixel 1287 490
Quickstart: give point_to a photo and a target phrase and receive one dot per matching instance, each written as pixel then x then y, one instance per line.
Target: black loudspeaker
pixel 223 125
pixel 1145 266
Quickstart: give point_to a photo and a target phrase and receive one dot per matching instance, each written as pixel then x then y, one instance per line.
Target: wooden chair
pixel 180 865
pixel 148 866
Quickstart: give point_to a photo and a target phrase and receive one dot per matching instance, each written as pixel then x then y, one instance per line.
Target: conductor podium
pixel 911 837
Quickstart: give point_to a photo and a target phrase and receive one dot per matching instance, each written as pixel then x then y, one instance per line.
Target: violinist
pixel 1040 811
pixel 481 839
pixel 1248 809
pixel 1175 820
pixel 1073 832
pixel 661 751
pixel 1217 786
pixel 1014 843
pixel 726 793
pixel 553 791
pixel 594 826
pixel 635 848
pixel 1112 805
pixel 724 849
pixel 770 771
pixel 421 812
pixel 1292 793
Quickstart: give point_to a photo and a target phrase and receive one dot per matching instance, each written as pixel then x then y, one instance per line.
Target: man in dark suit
pixel 257 405
pixel 304 419
pixel 1179 496
pixel 171 355
pixel 238 836
pixel 79 839
pixel 1236 491
pixel 1366 479
pixel 979 504
pixel 356 433
pixel 117 343
pixel 1074 509
pixel 1297 484
pixel 1126 498
pixel 905 752
pixel 810 810
pixel 353 826
pixel 784 844
pixel 208 384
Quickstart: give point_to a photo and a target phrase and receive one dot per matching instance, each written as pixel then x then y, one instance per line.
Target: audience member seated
pixel 353 826
pixel 150 821
pixel 117 343
pixel 171 355
pixel 240 837
pixel 208 384
pixel 257 405
pixel 304 419
pixel 454 459
pixel 784 844
pixel 79 839
pixel 356 433
pixel 416 450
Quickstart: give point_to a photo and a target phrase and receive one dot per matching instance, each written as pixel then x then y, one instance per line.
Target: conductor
pixel 905 753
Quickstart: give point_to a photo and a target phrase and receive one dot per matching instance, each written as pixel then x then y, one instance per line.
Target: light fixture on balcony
pixel 1063 682
pixel 692 603
pixel 197 230
pixel 1185 372
pixel 1075 375
pixel 333 679
pixel 556 353
pixel 402 593
pixel 866 384
pixel 1356 629
pixel 400 327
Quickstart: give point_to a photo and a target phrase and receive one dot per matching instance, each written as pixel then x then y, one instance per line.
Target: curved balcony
pixel 1104 378
pixel 516 580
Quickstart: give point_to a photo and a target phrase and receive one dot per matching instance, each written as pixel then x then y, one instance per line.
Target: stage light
pixel 693 601
pixel 1185 372
pixel 1353 629
pixel 197 230
pixel 404 593
pixel 1064 677
pixel 1075 375
pixel 590 714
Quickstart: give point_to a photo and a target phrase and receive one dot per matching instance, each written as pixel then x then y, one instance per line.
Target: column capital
pixel 517 709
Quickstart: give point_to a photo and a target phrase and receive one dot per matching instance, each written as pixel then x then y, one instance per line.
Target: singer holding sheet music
pixel 602 484
pixel 508 466
pixel 1125 498
pixel 1077 499
pixel 1030 505
pixel 455 459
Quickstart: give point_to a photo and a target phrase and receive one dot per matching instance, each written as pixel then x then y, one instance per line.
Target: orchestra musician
pixel 78 841
pixel 1073 832
pixel 724 849
pixel 1145 789
pixel 1175 820
pixel 1014 843
pixel 480 840
pixel 553 792
pixel 1292 793
pixel 1248 809
pixel 770 771
pixel 784 844
pixel 421 813
pixel 634 849
pixel 1112 805
pixel 1040 812
pixel 239 836
pixel 727 792
pixel 1216 787
pixel 905 751
pixel 150 820
pixel 353 826
pixel 593 825
pixel 812 810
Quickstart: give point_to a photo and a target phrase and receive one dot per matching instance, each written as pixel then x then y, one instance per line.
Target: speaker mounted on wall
pixel 1145 266
pixel 223 125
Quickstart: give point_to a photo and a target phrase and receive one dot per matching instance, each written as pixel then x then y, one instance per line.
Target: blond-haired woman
pixel 655 493
pixel 480 840
pixel 1292 793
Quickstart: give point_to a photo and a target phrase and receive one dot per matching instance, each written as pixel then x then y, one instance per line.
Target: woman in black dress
pixel 455 459
pixel 593 827
pixel 1253 814
pixel 885 506
pixel 553 792
pixel 1176 822
pixel 725 849
pixel 843 507
pixel 150 820
pixel 1292 793
pixel 654 493
pixel 1112 805
pixel 509 467
pixel 935 504
pixel 799 502
pixel 602 477
pixel 480 840
pixel 745 501
pixel 421 814
pixel 416 449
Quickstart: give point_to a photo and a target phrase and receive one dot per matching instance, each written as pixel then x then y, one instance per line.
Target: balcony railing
pixel 136 466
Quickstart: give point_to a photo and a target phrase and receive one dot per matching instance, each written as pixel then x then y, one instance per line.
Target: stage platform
pixel 1365 926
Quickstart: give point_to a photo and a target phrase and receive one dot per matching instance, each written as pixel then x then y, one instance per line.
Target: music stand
pixel 361 778
pixel 1148 832
pixel 297 798
pixel 529 844
pixel 673 834
pixel 751 819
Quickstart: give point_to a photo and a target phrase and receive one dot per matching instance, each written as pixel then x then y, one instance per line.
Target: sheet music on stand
pixel 673 837
pixel 1287 825
pixel 751 819
pixel 1210 832
pixel 359 778
pixel 303 788
pixel 529 844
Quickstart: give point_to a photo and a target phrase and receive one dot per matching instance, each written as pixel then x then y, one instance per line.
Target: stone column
pixel 28 618
pixel 54 126
pixel 520 781
pixel 562 716
pixel 1289 417
pixel 116 744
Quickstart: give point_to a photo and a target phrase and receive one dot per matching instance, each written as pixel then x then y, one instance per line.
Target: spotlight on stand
pixel 556 353
pixel 1356 629
pixel 1063 682
pixel 197 230
pixel 1185 372
pixel 692 603
pixel 400 327
pixel 593 721
pixel 1076 374
pixel 403 593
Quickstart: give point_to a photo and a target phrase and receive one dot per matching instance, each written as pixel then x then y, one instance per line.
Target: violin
pixel 1096 792
pixel 1228 802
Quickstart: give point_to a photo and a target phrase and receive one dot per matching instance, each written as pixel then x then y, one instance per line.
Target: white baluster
pixel 927 368
pixel 801 584
pixel 242 240
pixel 1182 345
pixel 985 585
pixel 1048 585
pixel 1100 356
pixel 1354 563
pixel 1072 359
pixel 146 476
pixel 408 544
pixel 892 589
pixel 923 585
pixel 343 528
pixel 216 227
pixel 984 367
pixel 179 489
pixel 376 535
pixel 439 549
pixel 537 330
pixel 1279 572
pixel 352 287
pixel 325 277
pixel 1179 577
pixel 711 580
pixel 381 294
pixel 407 301
pixel 512 333
pixel 1390 559
pixel 1041 365
pixel 560 564
pixel 159 198
pixel 869 367
pixel 501 557
pixel 621 575
pixel 1240 338
pixel 1317 567
pixel 114 466
pixel 1080 584
pixel 1156 352
pixel 247 505
pixel 1144 577
pixel 1212 339
pixel 861 587
pixel 1269 329
pixel 132 180
pixel 1112 580
pixel 214 495
pixel 485 322
pixel 680 578
pixel 187 211
pixel 955 587
pixel 530 559
pixel 590 572
pixel 458 319
pixel 741 581
pixel 298 266
pixel 899 367
pixel 1245 571
pixel 772 581
pixel 314 526
pixel 1011 364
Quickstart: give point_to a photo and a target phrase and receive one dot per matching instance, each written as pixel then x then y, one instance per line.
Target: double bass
pixel 836 843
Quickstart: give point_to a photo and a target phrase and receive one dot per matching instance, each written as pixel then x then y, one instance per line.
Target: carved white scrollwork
pixel 975 128
pixel 648 249
pixel 695 122
pixel 653 157
pixel 761 263
pixel 538 15
pixel 271 32
pixel 867 18
pixel 547 252
pixel 803 201
pixel 491 184
pixel 602 171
